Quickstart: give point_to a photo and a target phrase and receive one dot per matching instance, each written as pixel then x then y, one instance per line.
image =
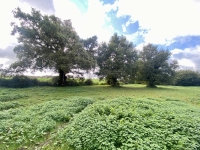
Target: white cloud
pixel 124 28
pixel 166 19
pixel 6 17
pixel 188 57
pixel 4 61
pixel 92 22
pixel 186 63
pixel 41 73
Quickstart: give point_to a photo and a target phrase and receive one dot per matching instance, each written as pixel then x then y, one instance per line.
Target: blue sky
pixel 171 24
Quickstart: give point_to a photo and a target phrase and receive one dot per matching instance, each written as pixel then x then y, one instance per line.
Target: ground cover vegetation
pixel 100 117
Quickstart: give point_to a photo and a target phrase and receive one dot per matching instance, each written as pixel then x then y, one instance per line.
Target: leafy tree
pixel 6 71
pixel 47 42
pixel 90 45
pixel 187 78
pixel 116 60
pixel 2 71
pixel 154 65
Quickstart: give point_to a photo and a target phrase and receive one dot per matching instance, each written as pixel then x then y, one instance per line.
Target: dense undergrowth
pixel 51 118
pixel 27 126
pixel 21 81
pixel 127 123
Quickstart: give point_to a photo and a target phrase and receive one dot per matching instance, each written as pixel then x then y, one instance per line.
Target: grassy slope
pixel 29 97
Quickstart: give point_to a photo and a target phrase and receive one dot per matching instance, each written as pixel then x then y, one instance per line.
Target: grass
pixel 63 108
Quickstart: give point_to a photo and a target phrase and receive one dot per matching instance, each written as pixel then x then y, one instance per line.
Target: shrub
pixel 55 80
pixel 111 80
pixel 88 82
pixel 72 82
pixel 3 82
pixel 18 81
pixel 22 81
pixel 187 78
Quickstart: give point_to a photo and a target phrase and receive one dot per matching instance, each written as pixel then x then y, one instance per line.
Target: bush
pixel 18 81
pixel 187 78
pixel 88 82
pixel 3 82
pixel 22 81
pixel 69 81
pixel 72 82
pixel 55 80
pixel 111 80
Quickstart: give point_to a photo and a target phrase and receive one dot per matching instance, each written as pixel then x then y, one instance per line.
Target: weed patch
pixel 8 105
pixel 29 125
pixel 10 97
pixel 127 123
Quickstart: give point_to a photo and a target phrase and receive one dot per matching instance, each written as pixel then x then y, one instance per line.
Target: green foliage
pixel 88 82
pixel 21 81
pixel 47 42
pixel 154 66
pixel 3 71
pixel 110 80
pixel 8 105
pixel 10 96
pixel 187 78
pixel 3 82
pixel 127 123
pixel 55 80
pixel 72 81
pixel 90 45
pixel 166 103
pixel 28 125
pixel 116 60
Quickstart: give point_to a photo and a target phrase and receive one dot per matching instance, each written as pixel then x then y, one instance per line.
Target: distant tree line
pixel 187 78
pixel 47 42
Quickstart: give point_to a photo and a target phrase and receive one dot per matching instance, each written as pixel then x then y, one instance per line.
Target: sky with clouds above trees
pixel 171 24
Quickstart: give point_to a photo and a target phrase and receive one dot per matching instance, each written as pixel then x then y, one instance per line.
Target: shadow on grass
pixel 129 87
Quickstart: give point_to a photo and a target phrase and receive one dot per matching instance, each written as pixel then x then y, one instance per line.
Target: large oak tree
pixel 116 60
pixel 155 66
pixel 47 42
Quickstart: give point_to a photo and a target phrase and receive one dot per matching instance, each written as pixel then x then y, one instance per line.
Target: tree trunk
pixel 62 78
pixel 151 85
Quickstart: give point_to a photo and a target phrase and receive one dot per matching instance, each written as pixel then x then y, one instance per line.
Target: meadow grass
pixel 34 95
pixel 19 104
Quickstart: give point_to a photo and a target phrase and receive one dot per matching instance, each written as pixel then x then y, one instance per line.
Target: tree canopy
pixel 187 78
pixel 155 66
pixel 116 60
pixel 47 42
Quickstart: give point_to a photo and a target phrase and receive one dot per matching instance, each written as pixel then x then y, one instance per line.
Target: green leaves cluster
pixel 8 105
pixel 116 60
pixel 187 78
pixel 154 66
pixel 9 96
pixel 29 125
pixel 127 123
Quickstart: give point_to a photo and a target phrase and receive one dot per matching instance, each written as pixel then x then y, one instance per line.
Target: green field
pixel 100 117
